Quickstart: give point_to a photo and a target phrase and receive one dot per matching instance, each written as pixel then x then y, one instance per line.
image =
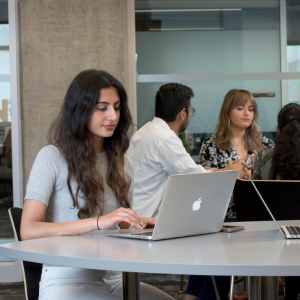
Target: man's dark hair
pixel 170 99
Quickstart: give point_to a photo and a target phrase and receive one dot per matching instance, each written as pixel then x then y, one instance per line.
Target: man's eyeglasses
pixel 192 110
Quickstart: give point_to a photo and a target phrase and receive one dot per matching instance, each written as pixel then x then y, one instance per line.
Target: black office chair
pixel 31 271
pixel 281 196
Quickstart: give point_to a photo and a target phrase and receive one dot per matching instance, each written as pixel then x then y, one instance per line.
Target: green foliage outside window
pixel 184 143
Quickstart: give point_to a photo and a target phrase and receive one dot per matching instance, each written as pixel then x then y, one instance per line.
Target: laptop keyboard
pixel 293 230
pixel 143 233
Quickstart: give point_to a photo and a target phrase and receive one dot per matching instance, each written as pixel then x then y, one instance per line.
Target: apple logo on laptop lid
pixel 196 205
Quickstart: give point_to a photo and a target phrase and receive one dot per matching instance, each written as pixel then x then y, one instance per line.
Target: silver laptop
pixel 192 204
pixel 288 231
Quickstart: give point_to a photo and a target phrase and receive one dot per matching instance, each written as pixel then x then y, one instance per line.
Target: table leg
pixel 231 288
pixel 131 286
pixel 181 291
pixel 269 288
pixel 254 288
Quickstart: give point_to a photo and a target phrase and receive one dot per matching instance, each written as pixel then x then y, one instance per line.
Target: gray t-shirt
pixel 48 184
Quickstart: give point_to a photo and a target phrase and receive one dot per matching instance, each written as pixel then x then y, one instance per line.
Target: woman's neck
pixel 238 133
pixel 97 144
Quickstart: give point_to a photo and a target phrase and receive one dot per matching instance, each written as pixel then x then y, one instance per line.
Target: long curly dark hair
pixel 286 156
pixel 69 133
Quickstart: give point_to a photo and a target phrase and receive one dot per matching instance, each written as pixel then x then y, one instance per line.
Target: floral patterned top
pixel 212 157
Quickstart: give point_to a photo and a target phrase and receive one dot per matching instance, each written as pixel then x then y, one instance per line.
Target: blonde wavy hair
pixel 253 135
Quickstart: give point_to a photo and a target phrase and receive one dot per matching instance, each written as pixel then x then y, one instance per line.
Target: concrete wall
pixel 58 39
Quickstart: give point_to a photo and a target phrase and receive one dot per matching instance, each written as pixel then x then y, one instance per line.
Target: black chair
pixel 281 196
pixel 31 271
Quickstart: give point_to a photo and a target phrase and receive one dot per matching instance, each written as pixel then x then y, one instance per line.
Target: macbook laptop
pixel 288 231
pixel 192 204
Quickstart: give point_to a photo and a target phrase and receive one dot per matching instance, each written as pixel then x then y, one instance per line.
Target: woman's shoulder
pixel 267 143
pixel 210 141
pixel 49 151
pixel 49 154
pixel 266 154
pixel 263 165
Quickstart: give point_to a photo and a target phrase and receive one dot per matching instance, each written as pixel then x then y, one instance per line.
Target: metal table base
pixel 131 286
pixel 262 288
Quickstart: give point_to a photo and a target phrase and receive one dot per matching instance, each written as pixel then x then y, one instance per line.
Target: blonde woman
pixel 237 136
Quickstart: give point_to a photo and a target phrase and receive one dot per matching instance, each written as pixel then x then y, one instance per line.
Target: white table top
pixel 258 250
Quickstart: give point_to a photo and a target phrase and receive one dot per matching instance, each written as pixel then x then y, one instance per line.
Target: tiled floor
pixel 168 283
pixel 12 291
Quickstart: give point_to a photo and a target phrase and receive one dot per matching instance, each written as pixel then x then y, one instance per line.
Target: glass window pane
pixel 4 62
pixel 213 39
pixel 293 48
pixel 196 37
pixel 4 35
pixel 6 196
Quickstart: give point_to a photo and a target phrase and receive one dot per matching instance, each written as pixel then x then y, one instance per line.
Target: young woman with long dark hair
pixel 83 181
pixel 283 163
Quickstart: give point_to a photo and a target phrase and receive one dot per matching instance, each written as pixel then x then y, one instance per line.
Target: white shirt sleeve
pixel 174 158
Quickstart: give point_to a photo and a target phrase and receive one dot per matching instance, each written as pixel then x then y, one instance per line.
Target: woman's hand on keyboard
pixel 148 222
pixel 123 217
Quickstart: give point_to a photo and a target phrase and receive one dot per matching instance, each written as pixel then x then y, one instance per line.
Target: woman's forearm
pixel 34 227
pixel 38 229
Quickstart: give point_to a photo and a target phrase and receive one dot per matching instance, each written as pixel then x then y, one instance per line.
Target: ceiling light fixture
pixel 186 10
pixel 170 29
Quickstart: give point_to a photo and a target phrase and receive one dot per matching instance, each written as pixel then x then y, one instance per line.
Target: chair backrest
pixel 31 271
pixel 281 196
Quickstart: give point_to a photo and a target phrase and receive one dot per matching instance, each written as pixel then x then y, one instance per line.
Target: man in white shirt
pixel 157 152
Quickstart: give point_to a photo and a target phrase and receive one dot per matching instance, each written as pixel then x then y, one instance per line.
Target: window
pixel 213 49
pixel 6 194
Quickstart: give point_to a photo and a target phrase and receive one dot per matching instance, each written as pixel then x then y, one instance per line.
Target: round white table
pixel 259 250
